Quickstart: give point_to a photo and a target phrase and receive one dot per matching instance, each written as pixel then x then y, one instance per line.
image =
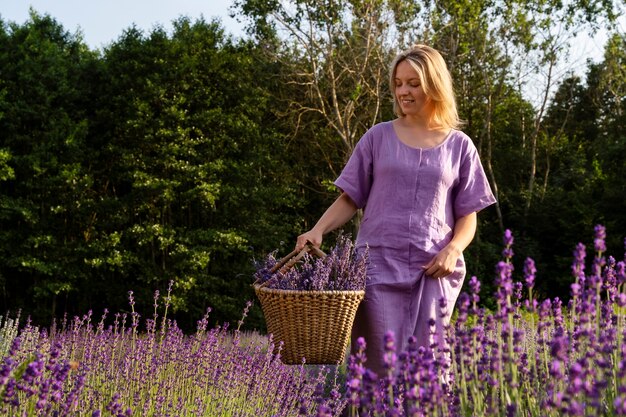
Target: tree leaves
pixel 124 170
pixel 185 155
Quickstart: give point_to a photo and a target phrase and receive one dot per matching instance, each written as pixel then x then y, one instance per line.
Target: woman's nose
pixel 401 89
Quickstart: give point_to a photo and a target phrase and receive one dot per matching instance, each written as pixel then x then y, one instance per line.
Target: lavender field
pixel 528 357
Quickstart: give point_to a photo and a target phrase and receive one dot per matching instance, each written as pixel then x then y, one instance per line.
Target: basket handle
pixel 290 260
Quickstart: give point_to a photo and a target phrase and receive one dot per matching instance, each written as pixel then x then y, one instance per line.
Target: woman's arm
pixel 336 215
pixel 444 262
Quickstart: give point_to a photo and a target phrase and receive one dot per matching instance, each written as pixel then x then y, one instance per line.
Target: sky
pixel 103 21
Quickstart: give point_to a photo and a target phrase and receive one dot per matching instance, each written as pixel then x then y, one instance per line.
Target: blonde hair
pixel 436 83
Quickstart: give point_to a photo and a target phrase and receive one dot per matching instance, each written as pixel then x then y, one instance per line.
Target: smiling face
pixel 409 93
pixel 421 86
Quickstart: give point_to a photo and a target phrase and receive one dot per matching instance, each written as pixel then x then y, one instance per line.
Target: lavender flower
pixel 529 272
pixel 609 283
pixel 600 247
pixel 578 265
pixel 620 273
pixel 344 268
pixel 488 364
pixel 474 285
pixel 619 405
pixel 504 282
pixel 507 253
pixel 390 351
pixel 599 238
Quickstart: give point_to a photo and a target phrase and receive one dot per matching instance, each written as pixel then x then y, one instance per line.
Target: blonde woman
pixel 420 182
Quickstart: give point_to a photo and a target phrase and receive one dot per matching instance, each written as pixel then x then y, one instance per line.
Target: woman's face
pixel 409 92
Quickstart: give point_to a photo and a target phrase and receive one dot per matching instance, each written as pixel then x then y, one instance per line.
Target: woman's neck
pixel 417 133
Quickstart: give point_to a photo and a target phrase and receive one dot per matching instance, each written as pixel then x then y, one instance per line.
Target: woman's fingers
pixel 438 267
pixel 307 237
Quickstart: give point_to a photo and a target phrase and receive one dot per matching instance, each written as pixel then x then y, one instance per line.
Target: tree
pixel 153 161
pixel 607 85
pixel 335 56
pixel 44 209
pixel 188 161
pixel 334 59
pixel 585 179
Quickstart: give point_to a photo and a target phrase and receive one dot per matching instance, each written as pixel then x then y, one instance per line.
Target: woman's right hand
pixel 312 236
pixel 336 215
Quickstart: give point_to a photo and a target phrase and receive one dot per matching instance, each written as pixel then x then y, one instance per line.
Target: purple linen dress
pixel 411 198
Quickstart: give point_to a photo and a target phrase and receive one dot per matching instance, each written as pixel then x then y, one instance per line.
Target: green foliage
pixel 45 187
pixel 186 155
pixel 151 162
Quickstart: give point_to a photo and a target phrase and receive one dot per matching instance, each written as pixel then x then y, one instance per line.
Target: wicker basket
pixel 314 326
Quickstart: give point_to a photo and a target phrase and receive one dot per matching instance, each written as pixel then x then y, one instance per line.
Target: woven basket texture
pixel 314 325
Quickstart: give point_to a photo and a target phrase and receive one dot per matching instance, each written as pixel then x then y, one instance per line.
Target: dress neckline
pixel 418 148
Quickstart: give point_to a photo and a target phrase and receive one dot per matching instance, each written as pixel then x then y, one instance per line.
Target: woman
pixel 420 183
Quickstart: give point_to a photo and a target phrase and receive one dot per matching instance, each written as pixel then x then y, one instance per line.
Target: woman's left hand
pixel 444 263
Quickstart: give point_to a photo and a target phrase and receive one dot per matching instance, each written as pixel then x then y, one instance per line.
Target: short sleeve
pixel 356 177
pixel 473 192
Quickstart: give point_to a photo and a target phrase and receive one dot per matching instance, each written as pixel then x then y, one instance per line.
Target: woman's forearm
pixel 335 216
pixel 444 262
pixel 464 231
pixel 338 214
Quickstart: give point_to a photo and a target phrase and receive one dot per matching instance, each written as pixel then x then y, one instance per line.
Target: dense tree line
pixel 155 160
pixel 184 156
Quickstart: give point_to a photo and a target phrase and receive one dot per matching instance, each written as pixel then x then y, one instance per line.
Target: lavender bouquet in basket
pixel 342 269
